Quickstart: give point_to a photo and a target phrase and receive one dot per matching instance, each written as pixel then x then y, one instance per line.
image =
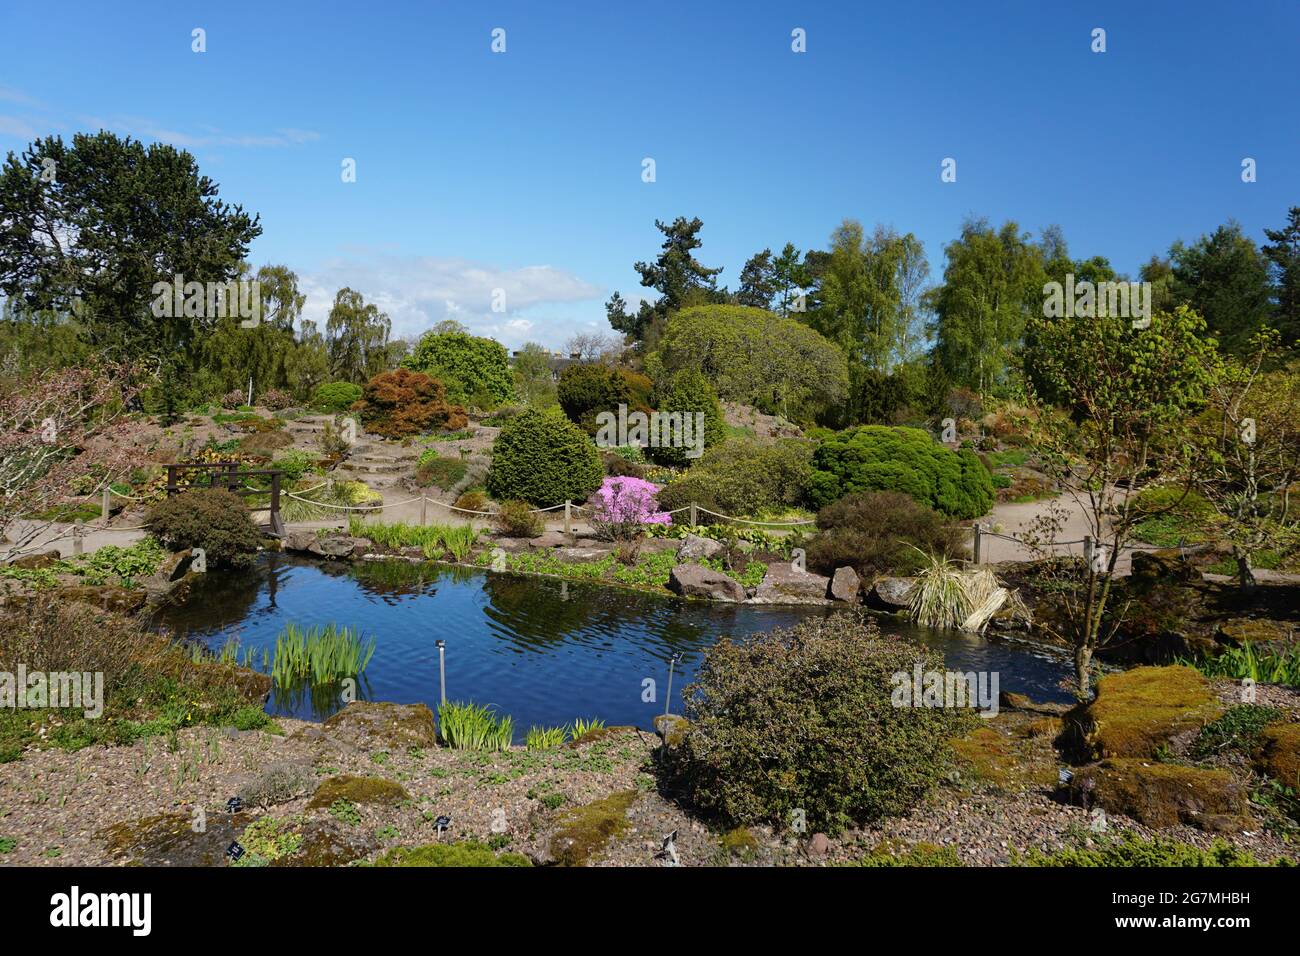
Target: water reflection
pixel 543 650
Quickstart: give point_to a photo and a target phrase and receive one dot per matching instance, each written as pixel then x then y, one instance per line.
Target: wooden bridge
pixel 227 475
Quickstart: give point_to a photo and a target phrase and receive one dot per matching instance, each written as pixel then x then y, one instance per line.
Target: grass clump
pixel 919 855
pixel 545 738
pixel 469 726
pixel 268 839
pixel 318 656
pixel 1266 665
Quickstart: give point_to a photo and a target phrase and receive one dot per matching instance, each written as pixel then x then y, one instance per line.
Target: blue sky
pixel 522 170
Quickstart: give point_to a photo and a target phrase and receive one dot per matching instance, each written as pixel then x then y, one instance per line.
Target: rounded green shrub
pixel 213 519
pixel 802 721
pixel 744 477
pixel 474 370
pixel 335 396
pixel 689 392
pixel 880 458
pixel 881 532
pixel 543 458
pixel 587 390
pixel 516 519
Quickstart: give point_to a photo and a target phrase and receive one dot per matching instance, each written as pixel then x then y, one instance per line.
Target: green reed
pixel 469 726
pixel 319 655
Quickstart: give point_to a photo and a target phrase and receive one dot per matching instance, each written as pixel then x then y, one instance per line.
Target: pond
pixel 542 650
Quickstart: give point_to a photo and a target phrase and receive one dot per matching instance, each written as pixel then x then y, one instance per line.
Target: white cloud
pixel 417 292
pixel 13 126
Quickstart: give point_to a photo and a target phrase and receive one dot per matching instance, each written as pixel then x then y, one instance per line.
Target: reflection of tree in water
pixel 391 581
pixel 223 599
pixel 542 612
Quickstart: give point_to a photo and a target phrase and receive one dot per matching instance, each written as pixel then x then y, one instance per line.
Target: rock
pixel 1168 566
pixel 1137 711
pixel 656 545
pixel 339 546
pixel 298 541
pixel 374 790
pixel 891 594
pixel 1164 794
pixel 32 562
pixel 1278 754
pixel 671 728
pixel 378 725
pixel 169 839
pixel 785 584
pixel 509 544
pixel 1010 701
pixel 696 548
pixel 108 597
pixel 580 554
pixel 550 539
pixel 330 842
pixel 694 580
pixel 845 585
pixel 1239 631
pixel 819 846
pixel 175 566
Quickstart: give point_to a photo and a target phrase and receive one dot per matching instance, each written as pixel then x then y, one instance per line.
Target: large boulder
pixel 339 546
pixel 1164 794
pixel 549 539
pixel 1240 631
pixel 379 725
pixel 697 548
pixel 1169 566
pixel 32 562
pixel 1278 755
pixel 891 594
pixel 1138 711
pixel 694 580
pixel 785 584
pixel 845 585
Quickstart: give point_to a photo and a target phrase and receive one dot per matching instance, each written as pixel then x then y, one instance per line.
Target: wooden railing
pixel 227 475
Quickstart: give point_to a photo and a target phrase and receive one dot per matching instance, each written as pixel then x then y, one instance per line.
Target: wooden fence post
pixel 1088 548
pixel 78 529
pixel 568 517
pixel 424 510
pixel 695 518
pixel 107 505
pixel 978 547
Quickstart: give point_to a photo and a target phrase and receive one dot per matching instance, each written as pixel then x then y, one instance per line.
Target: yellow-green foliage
pixel 741 842
pixel 357 790
pixel 1164 794
pixel 919 854
pixel 1132 850
pixel 467 853
pixel 1137 711
pixel 268 839
pixel 1279 754
pixel 586 830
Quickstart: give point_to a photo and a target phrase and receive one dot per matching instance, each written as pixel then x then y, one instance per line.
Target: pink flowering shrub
pixel 623 505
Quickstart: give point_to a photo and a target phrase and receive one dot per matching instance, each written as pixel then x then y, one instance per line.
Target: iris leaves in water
pixel 319 655
pixel 474 727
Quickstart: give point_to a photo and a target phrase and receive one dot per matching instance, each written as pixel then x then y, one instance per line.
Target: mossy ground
pixel 468 853
pixel 584 831
pixel 1004 754
pixel 357 790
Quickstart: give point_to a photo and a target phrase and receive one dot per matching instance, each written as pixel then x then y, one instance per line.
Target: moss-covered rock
pixel 1279 754
pixel 466 853
pixel 671 728
pixel 371 725
pixel 169 839
pixel 1164 794
pixel 360 790
pixel 1169 566
pixel 989 756
pixel 1137 711
pixel 1240 631
pixel 585 831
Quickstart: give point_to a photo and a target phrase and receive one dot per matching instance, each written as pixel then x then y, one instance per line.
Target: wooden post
pixel 275 497
pixel 568 517
pixel 978 547
pixel 171 480
pixel 78 528
pixel 1088 547
pixel 424 510
pixel 695 518
pixel 107 504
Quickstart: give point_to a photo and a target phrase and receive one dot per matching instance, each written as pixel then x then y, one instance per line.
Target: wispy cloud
pixel 13 126
pixel 419 291
pixel 142 128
